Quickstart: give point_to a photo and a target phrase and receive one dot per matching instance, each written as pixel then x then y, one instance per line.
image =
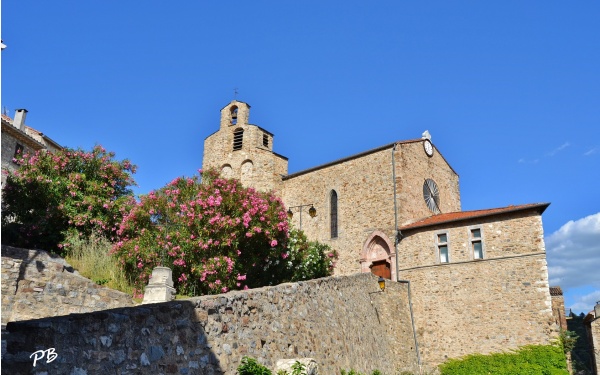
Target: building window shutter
pixel 238 137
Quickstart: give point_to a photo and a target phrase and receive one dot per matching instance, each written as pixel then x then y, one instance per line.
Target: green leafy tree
pixel 216 236
pixel 54 198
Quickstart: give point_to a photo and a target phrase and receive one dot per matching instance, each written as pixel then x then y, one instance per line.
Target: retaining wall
pixel 342 322
pixel 37 284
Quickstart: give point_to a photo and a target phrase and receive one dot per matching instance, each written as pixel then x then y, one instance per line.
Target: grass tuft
pixel 91 258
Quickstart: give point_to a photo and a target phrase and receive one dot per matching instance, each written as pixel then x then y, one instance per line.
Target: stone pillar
pixel 160 287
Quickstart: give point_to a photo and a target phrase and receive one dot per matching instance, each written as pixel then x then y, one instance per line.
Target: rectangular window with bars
pixel 442 245
pixel 476 243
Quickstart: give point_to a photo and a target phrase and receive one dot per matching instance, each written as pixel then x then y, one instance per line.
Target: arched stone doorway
pixel 378 256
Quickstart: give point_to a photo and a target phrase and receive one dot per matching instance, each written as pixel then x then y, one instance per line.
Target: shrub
pixel 308 259
pixel 250 366
pixel 216 236
pixel 55 198
pixel 567 340
pixel 528 360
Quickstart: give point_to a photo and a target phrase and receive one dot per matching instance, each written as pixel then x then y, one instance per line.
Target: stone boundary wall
pixel 36 284
pixel 487 306
pixel 341 322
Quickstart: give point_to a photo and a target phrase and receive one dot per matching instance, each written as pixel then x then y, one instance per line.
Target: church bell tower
pixel 244 151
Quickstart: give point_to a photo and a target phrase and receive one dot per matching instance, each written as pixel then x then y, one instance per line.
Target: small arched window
pixel 234 115
pixel 238 137
pixel 333 207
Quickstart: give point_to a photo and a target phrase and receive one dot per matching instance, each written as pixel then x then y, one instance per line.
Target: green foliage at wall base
pixel 250 366
pixel 528 360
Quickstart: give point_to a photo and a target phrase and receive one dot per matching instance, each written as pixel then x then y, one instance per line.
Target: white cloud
pixel 573 254
pixel 552 153
pixel 524 161
pixel 591 152
pixel 559 149
pixel 586 302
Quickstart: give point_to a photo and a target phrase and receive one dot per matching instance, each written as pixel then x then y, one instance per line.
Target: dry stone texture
pixel 341 322
pixel 36 284
pixel 466 306
pixel 479 306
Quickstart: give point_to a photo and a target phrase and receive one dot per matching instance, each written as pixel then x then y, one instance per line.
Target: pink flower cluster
pixel 212 231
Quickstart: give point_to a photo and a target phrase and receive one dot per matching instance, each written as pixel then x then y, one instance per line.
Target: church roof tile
pixel 452 217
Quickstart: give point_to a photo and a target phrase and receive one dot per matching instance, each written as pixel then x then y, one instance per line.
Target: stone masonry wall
pixel 255 164
pixel 36 284
pixel 413 167
pixel 558 311
pixel 342 322
pixel 595 338
pixel 365 190
pixel 485 305
pixel 9 145
pixel 365 203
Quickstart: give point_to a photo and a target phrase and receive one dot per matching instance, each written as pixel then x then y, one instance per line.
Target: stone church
pixel 478 279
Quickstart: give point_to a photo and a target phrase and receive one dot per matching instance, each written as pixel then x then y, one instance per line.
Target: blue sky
pixel 509 90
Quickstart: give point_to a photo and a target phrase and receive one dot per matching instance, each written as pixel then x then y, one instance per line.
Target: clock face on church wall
pixel 428 147
pixel 431 194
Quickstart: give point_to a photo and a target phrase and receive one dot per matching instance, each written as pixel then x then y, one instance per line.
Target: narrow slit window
pixel 442 244
pixel 238 137
pixel 265 140
pixel 476 243
pixel 334 214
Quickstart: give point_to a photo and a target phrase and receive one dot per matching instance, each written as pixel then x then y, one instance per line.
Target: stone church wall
pixel 36 284
pixel 468 306
pixel 341 322
pixel 364 188
pixel 413 167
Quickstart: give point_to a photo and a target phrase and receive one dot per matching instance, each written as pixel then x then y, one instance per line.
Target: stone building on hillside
pixel 479 279
pixel 558 307
pixel 18 138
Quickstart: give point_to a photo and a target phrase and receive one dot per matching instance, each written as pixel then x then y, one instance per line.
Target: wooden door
pixel 382 268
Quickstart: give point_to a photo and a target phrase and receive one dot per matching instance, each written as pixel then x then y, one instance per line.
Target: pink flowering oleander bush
pixel 213 233
pixel 53 199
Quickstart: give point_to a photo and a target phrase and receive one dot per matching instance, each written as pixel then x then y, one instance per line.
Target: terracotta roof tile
pixel 467 215
pixel 6 118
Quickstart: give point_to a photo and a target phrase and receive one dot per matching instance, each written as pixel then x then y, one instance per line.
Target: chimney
pixel 19 121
